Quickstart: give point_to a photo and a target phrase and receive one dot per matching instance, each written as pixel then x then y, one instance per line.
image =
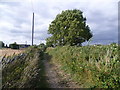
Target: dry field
pixel 10 52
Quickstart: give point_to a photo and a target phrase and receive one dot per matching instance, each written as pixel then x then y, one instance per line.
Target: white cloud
pixel 16 17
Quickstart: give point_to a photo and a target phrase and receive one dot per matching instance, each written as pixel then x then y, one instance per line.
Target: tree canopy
pixel 68 28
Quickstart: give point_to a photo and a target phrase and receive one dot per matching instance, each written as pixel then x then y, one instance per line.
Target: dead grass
pixel 10 52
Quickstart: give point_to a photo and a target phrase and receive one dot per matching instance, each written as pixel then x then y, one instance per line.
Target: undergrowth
pixel 25 72
pixel 91 66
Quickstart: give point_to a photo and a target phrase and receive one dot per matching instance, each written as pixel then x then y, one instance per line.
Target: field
pixel 10 52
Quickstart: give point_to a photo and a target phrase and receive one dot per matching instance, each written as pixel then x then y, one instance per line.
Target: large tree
pixel 69 28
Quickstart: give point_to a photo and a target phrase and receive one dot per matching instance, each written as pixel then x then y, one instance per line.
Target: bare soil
pixel 57 78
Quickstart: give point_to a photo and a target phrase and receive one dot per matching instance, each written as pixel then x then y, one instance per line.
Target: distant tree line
pixel 1 44
pixel 18 46
pixel 12 46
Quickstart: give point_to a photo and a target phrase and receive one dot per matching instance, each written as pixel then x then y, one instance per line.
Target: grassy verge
pixel 42 75
pixel 26 71
pixel 90 66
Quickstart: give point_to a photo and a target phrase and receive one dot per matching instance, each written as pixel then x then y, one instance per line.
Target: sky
pixel 16 19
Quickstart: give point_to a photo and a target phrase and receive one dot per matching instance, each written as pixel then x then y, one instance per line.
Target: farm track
pixel 55 77
pixel 50 75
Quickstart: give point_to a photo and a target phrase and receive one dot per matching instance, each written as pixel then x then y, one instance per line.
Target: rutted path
pixel 55 77
pixel 34 69
pixel 51 76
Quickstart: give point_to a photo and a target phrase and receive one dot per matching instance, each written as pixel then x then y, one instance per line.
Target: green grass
pixel 90 66
pixel 26 72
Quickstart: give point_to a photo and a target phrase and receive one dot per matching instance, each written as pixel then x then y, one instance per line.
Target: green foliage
pixel 12 73
pixel 68 28
pixel 14 46
pixel 91 66
pixel 49 42
pixel 24 72
pixel 42 45
pixel 1 44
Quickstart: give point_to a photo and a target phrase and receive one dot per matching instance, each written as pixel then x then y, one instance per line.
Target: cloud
pixel 16 18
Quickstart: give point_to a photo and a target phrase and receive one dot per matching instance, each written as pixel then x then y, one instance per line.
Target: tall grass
pixel 90 66
pixel 23 72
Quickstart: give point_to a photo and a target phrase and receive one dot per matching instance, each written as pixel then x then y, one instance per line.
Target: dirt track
pixel 56 78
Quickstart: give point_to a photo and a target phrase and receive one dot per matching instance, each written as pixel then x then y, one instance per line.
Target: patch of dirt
pixel 56 78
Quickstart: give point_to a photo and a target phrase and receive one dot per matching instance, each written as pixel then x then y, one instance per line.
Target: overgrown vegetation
pixel 91 66
pixel 26 71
